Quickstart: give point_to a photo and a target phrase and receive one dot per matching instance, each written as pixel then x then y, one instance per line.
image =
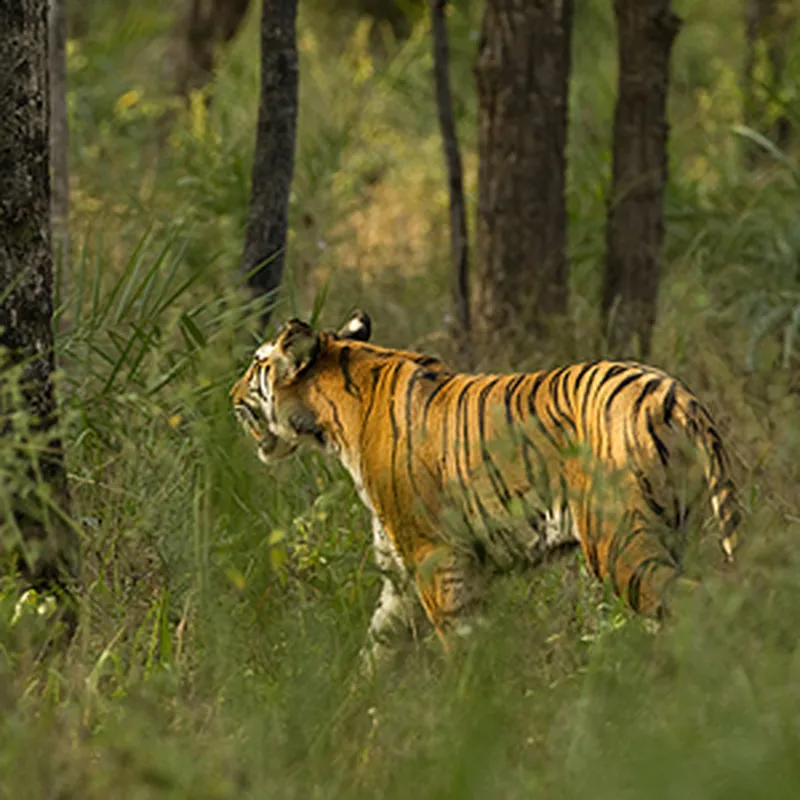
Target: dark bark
pixel 59 130
pixel 459 241
pixel 770 26
pixel 273 164
pixel 646 30
pixel 522 75
pixel 206 25
pixel 49 548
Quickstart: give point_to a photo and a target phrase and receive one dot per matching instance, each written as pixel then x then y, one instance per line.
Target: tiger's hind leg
pixel 625 549
pixel 397 614
pixel 450 583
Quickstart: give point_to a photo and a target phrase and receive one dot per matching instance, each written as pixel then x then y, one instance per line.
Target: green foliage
pixel 224 603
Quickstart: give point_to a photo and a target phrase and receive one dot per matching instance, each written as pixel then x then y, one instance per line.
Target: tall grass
pixel 224 603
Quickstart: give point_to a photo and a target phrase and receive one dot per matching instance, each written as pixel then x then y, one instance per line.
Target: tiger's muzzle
pixel 270 447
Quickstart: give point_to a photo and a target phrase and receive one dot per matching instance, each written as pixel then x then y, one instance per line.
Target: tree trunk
pixel 770 27
pixel 646 30
pixel 34 485
pixel 459 242
pixel 273 164
pixel 205 25
pixel 522 74
pixel 59 130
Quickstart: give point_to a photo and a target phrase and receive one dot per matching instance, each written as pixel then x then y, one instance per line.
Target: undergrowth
pixel 224 603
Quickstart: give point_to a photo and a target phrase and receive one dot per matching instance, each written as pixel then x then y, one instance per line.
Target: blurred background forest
pixel 224 603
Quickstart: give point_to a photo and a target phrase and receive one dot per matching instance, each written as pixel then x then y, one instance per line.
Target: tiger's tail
pixel 724 496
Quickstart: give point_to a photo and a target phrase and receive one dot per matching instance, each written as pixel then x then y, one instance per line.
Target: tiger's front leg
pixel 398 613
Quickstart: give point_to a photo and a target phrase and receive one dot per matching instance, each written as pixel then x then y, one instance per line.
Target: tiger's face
pixel 269 400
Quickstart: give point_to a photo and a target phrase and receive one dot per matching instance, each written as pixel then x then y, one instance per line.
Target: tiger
pixel 468 475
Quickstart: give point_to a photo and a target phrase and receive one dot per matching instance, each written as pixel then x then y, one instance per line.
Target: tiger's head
pixel 271 399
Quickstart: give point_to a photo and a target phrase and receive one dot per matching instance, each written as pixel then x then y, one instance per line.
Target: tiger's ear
pixel 296 349
pixel 358 327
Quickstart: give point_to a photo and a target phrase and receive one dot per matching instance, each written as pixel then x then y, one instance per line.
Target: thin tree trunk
pixel 459 241
pixel 59 131
pixel 635 224
pixel 35 479
pixel 273 165
pixel 522 74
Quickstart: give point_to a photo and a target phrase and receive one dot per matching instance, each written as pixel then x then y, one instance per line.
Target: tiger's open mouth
pixel 250 420
pixel 270 446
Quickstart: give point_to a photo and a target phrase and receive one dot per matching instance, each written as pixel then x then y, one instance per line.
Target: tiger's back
pixel 521 461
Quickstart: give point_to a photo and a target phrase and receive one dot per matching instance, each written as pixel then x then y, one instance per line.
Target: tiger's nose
pixel 240 389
